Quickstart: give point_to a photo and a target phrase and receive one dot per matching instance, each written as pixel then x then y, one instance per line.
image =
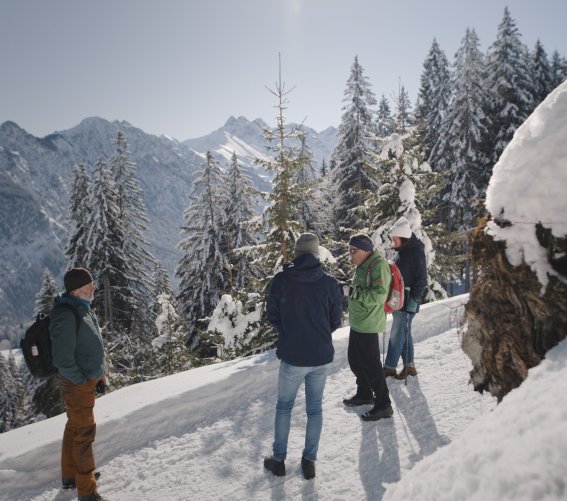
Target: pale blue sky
pixel 182 67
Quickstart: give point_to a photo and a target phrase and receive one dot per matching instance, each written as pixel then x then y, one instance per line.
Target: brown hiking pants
pixel 77 459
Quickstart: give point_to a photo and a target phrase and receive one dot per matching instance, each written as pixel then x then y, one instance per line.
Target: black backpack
pixel 36 344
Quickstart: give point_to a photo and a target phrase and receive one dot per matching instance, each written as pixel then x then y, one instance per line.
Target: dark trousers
pixel 364 362
pixel 77 459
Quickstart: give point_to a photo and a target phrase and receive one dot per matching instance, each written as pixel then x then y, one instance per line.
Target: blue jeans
pixel 289 380
pixel 401 342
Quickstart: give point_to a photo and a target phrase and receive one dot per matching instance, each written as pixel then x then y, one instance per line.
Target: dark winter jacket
pixel 305 305
pixel 412 265
pixel 77 354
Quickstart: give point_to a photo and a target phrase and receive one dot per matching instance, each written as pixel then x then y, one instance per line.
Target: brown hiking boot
pixel 389 372
pixel 411 371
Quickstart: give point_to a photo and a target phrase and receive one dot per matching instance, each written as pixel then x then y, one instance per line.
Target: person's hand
pixel 101 385
pixel 411 306
pixel 347 290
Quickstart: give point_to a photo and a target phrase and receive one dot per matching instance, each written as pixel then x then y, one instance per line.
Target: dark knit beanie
pixel 307 243
pixel 76 278
pixel 362 242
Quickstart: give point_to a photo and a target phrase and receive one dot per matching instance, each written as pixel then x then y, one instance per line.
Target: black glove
pixel 100 387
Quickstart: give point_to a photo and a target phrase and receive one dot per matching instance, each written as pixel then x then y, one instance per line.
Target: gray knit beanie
pixel 307 243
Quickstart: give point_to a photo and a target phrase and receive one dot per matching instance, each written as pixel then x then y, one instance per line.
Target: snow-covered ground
pixel 202 434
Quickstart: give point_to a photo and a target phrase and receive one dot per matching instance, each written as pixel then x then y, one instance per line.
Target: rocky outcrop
pixel 511 321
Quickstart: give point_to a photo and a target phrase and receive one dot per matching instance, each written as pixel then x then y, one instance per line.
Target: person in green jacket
pixel 78 354
pixel 366 298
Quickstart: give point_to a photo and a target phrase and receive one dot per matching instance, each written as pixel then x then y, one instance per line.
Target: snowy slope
pixel 202 434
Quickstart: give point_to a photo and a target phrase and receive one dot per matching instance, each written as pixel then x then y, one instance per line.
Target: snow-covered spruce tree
pixel 466 138
pixel 81 189
pixel 407 184
pixel 281 215
pixel 132 214
pixel 162 285
pixel 46 294
pixel 463 143
pixel 170 353
pixel 384 121
pixel 542 78
pixel 279 222
pixel 353 172
pixel 558 69
pixel 13 401
pixel 509 84
pixel 324 169
pixel 203 267
pixel 7 397
pixel 106 258
pixel 310 201
pixel 403 116
pixel 433 100
pixel 239 214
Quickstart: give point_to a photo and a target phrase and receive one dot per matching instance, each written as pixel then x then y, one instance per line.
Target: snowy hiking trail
pixel 202 434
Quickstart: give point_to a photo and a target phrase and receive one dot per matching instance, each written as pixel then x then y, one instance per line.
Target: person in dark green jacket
pixel 78 354
pixel 366 298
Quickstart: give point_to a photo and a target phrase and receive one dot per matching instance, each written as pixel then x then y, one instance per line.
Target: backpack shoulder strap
pixel 369 271
pixel 371 267
pixel 68 306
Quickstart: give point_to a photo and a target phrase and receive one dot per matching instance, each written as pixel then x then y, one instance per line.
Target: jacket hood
pixel 412 243
pixel 305 268
pixel 66 298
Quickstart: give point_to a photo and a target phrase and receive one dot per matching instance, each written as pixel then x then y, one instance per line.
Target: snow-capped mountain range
pixel 36 176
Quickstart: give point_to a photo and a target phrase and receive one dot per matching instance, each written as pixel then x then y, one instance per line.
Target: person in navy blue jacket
pixel 412 264
pixel 305 305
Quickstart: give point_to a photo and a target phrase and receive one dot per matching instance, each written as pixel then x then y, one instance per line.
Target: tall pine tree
pixel 44 298
pixel 106 258
pixel 81 190
pixel 353 173
pixel 433 99
pixel 542 78
pixel 203 267
pixel 466 137
pixel 134 222
pixel 239 214
pixel 508 83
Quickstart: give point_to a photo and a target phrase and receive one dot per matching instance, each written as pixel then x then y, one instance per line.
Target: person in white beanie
pixel 412 265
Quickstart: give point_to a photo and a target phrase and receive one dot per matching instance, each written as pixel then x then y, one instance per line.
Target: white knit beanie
pixel 401 228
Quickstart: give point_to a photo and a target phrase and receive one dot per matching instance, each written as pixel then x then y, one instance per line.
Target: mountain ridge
pixel 36 177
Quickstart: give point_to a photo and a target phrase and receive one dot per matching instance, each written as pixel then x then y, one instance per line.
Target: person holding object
pixel 78 355
pixel 412 265
pixel 366 298
pixel 305 306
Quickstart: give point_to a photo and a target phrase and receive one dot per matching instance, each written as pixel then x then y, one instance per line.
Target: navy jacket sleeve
pixel 273 304
pixel 336 310
pixel 420 282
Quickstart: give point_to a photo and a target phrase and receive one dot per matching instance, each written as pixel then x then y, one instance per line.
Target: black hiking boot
pixel 308 468
pixel 69 482
pixel 376 414
pixel 275 466
pixel 93 496
pixel 356 401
